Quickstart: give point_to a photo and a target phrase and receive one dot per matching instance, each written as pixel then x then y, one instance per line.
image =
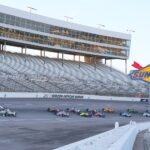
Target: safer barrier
pixel 121 138
pixel 65 96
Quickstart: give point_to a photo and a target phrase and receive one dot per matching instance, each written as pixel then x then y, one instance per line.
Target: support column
pixel 62 59
pixel 74 58
pixel 21 50
pixel 1 47
pixel 58 55
pixel 44 56
pixel 44 53
pixel 41 53
pixel 111 64
pixel 79 61
pixel 95 63
pixel 25 53
pixel 25 50
pixel 105 61
pixel 4 48
pixel 126 66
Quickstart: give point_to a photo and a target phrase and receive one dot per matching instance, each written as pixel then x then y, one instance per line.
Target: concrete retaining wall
pixel 121 138
pixel 64 96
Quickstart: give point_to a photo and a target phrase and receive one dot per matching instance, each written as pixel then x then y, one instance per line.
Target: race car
pixel 10 113
pixel 92 111
pixel 62 114
pixel 144 100
pixel 132 110
pixel 7 112
pixel 85 114
pixel 53 109
pixel 146 114
pixel 108 109
pixel 1 108
pixel 125 114
pixel 100 114
pixel 2 112
pixel 73 110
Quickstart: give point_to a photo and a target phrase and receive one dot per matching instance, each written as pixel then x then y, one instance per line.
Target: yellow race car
pixel 108 109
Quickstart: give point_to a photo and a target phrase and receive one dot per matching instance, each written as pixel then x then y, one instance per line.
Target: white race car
pixel 125 114
pixel 1 108
pixel 7 112
pixel 2 112
pixel 146 114
pixel 62 114
pixel 10 113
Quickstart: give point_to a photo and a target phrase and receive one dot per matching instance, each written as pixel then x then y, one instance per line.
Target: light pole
pixel 101 26
pixel 31 8
pixel 67 18
pixel 130 31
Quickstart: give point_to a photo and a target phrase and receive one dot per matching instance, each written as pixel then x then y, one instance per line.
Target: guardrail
pixel 121 138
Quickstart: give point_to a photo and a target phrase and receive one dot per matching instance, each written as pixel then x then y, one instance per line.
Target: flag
pixel 136 65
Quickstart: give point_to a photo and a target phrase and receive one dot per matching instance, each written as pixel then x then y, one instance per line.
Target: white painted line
pixel 5 120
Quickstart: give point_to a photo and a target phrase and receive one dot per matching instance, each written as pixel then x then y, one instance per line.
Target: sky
pixel 116 15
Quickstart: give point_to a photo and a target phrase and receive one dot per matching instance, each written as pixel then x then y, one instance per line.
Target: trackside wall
pixel 121 138
pixel 64 96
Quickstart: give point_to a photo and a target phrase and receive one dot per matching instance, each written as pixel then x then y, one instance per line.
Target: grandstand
pixel 20 72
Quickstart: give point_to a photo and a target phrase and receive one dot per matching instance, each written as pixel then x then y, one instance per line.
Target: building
pixel 27 30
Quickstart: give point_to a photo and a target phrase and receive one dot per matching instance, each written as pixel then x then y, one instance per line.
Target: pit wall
pixel 64 96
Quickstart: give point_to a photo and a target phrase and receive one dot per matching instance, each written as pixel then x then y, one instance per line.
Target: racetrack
pixel 35 128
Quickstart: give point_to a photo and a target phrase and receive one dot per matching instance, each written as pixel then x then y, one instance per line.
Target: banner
pixel 141 74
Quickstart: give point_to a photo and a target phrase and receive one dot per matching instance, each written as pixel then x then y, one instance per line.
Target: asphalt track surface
pixel 36 129
pixel 142 141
